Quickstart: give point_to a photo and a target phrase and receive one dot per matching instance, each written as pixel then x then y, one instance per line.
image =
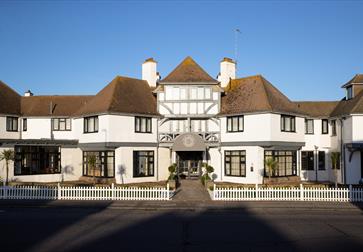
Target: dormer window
pixel 349 93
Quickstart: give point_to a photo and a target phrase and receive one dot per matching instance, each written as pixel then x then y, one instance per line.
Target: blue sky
pixel 306 49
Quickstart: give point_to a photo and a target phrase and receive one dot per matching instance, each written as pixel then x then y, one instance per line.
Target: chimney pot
pixel 28 93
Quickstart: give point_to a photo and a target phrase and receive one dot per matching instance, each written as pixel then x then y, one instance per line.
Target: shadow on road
pixel 100 228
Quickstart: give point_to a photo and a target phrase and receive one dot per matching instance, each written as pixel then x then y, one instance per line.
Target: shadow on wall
pixel 227 229
pixel 121 171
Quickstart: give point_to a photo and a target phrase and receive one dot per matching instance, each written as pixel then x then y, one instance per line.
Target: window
pixel 321 158
pixel 31 160
pixel 307 160
pixel 349 93
pixel 61 124
pixel 287 123
pixel 324 126
pixel 286 163
pixel 143 124
pixel 334 127
pixel 143 163
pixel 235 124
pixel 25 124
pixel 235 163
pixel 105 164
pixel 90 124
pixel 309 126
pixel 11 123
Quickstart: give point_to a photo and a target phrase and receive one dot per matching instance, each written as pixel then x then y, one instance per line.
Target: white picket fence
pixel 288 194
pixel 84 193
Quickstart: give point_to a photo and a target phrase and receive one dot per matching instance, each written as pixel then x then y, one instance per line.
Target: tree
pixel 7 155
pixel 335 160
pixel 92 160
pixel 271 166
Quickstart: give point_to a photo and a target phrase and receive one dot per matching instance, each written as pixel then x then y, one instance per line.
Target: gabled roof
pixel 188 71
pixel 320 109
pixel 122 95
pixel 9 100
pixel 357 79
pixel 53 105
pixel 255 94
pixel 351 106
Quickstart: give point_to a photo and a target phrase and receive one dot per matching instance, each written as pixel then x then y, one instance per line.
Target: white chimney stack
pixel 28 93
pixel 227 71
pixel 149 72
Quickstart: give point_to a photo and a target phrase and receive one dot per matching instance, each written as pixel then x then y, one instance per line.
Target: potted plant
pixel 92 160
pixel 271 165
pixel 172 179
pixel 7 155
pixel 206 177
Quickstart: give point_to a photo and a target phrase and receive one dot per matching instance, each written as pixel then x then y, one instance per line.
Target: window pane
pixel 207 93
pixel 193 93
pixel 234 123
pixel 240 123
pixel 200 93
pixel 148 125
pixel 137 124
pixel 96 123
pixel 229 124
pixel 68 124
pixel 91 125
pixel 287 124
pixel 183 93
pixel 62 124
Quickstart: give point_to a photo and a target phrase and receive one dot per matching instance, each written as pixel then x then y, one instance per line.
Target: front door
pixel 189 163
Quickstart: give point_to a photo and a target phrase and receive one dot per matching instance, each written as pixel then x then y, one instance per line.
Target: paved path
pixel 191 190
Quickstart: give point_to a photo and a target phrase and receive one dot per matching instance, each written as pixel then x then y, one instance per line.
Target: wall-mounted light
pixel 251 167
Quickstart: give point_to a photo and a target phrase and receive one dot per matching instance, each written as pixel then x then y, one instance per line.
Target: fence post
pixel 113 191
pixel 167 191
pixel 257 192
pixel 214 191
pixel 59 196
pixel 301 192
pixel 350 194
pixel 5 192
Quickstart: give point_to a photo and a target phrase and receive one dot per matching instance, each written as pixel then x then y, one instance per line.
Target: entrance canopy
pixel 189 142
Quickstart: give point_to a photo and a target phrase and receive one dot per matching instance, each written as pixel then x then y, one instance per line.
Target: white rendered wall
pixel 357 128
pixel 323 143
pixel 124 165
pixel 164 163
pixel 254 158
pixel 71 167
pixel 263 127
pixel 116 128
pixel 7 134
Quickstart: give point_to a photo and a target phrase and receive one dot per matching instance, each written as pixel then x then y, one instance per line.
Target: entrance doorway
pixel 189 164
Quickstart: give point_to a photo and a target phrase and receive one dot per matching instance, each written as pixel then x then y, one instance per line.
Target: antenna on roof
pixel 237 32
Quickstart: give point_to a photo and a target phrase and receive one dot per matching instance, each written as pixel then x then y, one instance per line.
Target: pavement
pixel 187 223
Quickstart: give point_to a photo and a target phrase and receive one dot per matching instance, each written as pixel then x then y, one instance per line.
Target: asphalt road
pixel 253 226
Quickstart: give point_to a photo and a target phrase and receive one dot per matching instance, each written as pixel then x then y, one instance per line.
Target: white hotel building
pixel 137 128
